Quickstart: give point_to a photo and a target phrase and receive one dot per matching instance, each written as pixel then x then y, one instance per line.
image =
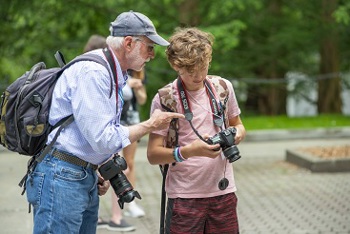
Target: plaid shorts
pixel 202 215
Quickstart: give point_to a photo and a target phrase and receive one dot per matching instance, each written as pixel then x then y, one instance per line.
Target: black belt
pixel 73 159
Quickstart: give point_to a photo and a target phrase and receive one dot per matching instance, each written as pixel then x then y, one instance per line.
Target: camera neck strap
pixel 216 109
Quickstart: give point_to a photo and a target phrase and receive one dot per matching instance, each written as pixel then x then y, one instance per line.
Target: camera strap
pixel 216 109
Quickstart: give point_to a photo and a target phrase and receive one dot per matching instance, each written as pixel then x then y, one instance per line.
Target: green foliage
pixel 342 14
pixel 285 122
pixel 253 38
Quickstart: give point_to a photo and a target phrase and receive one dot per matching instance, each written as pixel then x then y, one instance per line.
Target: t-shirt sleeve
pixel 232 104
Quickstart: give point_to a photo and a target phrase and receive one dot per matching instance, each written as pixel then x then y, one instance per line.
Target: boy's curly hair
pixel 190 48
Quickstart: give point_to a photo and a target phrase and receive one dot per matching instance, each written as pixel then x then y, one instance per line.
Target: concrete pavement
pixel 274 196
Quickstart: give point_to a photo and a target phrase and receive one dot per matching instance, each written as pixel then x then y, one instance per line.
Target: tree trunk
pixel 329 89
pixel 271 97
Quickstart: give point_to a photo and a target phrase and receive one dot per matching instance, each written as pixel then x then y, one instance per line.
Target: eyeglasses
pixel 150 46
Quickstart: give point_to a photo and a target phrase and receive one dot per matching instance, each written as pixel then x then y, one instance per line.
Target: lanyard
pixel 217 111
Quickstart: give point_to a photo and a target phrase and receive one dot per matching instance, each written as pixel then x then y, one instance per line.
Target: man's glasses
pixel 150 46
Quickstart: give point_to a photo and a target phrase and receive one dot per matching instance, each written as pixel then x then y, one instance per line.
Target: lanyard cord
pixel 217 113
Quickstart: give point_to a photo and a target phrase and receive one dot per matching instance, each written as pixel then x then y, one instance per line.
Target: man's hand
pixel 135 83
pixel 103 186
pixel 160 120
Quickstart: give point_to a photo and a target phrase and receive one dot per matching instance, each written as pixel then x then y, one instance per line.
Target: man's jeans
pixel 64 197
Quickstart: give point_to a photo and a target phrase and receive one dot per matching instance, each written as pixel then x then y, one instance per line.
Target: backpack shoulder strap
pixel 168 103
pixel 91 57
pixel 111 62
pixel 164 170
pixel 60 58
pixel 166 95
pixel 220 86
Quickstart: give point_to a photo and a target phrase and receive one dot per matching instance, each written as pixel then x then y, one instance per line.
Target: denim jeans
pixel 64 197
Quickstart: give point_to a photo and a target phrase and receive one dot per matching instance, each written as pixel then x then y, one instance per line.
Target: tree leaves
pixel 250 35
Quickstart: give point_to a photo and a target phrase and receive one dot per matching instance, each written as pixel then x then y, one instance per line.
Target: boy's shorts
pixel 202 215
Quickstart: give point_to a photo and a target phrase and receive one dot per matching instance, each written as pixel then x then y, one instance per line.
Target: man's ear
pixel 128 42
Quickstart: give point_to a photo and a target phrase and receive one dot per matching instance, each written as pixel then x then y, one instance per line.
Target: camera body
pixel 113 171
pixel 226 139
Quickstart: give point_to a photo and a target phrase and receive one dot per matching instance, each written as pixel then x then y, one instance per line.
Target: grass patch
pixel 285 122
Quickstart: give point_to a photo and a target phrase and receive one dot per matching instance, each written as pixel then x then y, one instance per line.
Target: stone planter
pixel 315 163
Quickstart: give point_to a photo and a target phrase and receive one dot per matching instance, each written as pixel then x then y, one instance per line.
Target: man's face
pixel 142 52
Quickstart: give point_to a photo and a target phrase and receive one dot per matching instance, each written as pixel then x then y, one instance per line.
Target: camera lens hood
pixel 128 197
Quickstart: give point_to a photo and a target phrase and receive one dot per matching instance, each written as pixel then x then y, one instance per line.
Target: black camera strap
pixel 216 109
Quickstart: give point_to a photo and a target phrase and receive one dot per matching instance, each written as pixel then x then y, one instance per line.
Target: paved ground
pixel 274 196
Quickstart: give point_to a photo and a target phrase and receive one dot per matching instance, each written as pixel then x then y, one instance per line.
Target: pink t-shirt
pixel 198 177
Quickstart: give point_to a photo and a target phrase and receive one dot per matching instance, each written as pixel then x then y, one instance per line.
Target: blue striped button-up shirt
pixel 83 90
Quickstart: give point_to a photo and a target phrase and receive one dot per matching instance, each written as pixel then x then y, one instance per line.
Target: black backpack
pixel 25 105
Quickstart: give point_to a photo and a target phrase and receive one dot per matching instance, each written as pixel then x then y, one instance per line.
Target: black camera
pixel 226 139
pixel 113 171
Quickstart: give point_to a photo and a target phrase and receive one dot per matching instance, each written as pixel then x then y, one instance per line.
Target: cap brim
pixel 158 40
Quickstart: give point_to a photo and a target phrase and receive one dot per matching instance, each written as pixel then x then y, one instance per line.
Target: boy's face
pixel 194 78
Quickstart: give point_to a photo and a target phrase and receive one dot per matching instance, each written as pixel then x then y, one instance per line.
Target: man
pixel 63 187
pixel 134 93
pixel 200 185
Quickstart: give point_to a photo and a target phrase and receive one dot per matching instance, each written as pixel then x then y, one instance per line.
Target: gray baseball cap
pixel 135 24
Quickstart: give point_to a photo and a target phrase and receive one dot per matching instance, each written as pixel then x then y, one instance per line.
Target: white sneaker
pixel 134 210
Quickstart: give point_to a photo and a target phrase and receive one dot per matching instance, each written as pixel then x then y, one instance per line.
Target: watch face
pixel 223 184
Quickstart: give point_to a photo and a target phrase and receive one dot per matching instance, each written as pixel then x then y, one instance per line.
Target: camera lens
pixel 123 189
pixel 112 171
pixel 120 183
pixel 121 162
pixel 232 153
